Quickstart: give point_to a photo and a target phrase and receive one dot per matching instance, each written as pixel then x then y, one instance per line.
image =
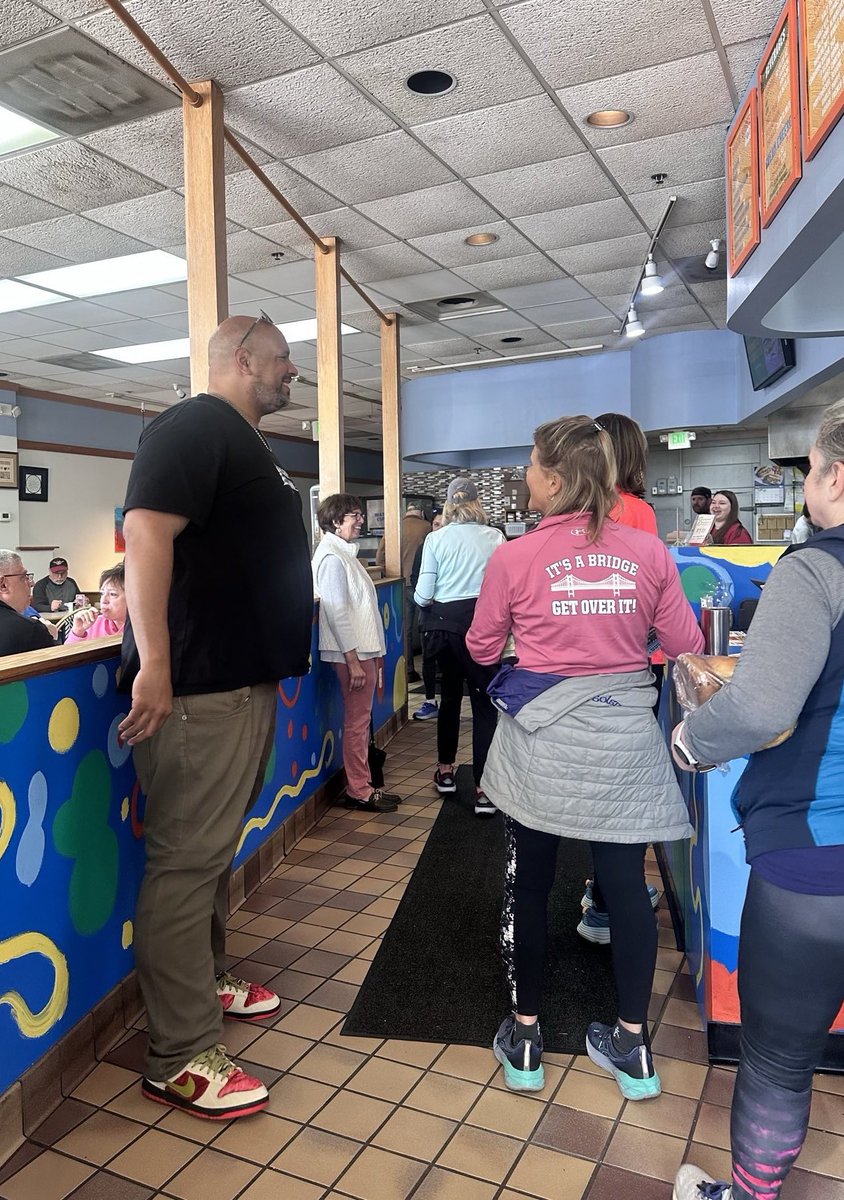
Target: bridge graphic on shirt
pixel 614 583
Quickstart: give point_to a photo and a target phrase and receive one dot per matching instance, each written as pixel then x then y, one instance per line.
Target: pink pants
pixel 357 710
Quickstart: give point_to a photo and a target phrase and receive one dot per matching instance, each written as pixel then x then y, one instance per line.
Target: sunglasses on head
pixel 263 317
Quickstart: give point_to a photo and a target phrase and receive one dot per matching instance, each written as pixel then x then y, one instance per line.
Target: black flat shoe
pixel 376 802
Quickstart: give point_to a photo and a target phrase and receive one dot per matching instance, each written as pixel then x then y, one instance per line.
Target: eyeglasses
pixel 256 322
pixel 27 575
pixel 357 516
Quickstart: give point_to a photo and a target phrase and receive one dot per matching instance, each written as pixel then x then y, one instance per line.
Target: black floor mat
pixel 438 975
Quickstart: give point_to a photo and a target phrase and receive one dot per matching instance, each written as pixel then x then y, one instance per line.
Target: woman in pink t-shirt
pixel 88 624
pixel 577 751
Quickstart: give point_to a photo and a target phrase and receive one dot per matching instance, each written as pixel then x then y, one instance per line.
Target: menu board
pixel 821 69
pixel 779 114
pixel 743 186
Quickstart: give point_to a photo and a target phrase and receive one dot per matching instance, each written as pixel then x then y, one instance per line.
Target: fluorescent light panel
pixel 17 132
pixel 14 296
pixel 149 269
pixel 294 331
pixel 502 362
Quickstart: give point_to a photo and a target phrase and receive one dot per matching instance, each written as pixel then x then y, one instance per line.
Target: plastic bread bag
pixel 697 677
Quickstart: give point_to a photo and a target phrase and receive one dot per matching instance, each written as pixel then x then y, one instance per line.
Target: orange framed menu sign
pixel 821 69
pixel 778 83
pixel 743 186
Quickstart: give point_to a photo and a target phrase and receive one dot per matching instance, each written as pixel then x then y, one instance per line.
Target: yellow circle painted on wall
pixel 400 683
pixel 124 809
pixel 63 729
pixel 386 612
pixel 127 935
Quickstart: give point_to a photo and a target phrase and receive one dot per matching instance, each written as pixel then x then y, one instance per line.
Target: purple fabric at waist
pixel 809 870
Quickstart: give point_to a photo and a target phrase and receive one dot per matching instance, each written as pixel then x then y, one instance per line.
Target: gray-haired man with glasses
pixel 18 633
pixel 207 502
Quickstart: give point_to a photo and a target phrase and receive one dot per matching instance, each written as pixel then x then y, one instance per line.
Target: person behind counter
pixel 728 529
pixel 789 803
pixel 351 638
pixel 88 624
pixel 577 752
pixel 56 589
pixel 17 632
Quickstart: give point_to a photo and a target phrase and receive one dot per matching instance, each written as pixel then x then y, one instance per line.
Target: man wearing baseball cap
pixel 55 590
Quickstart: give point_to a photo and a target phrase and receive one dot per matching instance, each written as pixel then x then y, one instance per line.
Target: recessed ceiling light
pixel 608 118
pixel 15 296
pixel 481 239
pixel 148 269
pixel 294 331
pixel 430 83
pixel 509 340
pixel 19 132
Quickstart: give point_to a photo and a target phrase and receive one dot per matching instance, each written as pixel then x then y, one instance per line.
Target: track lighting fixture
pixel 651 284
pixel 714 256
pixel 633 327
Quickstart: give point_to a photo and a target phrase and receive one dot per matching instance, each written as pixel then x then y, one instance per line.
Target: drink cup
pixel 80 600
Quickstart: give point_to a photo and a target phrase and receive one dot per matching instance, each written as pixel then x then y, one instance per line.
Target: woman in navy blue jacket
pixel 790 803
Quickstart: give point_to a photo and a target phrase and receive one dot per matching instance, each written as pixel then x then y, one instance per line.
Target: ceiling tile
pixel 17 208
pixel 595 329
pixel 430 210
pixel 158 219
pixel 26 324
pixel 135 333
pixel 684 157
pixel 686 314
pixel 510 272
pixel 684 94
pixel 69 174
pixel 744 59
pixel 80 239
pixel 550 315
pixel 489 323
pixel 308 110
pixel 604 255
pixel 718 313
pixel 580 224
pixel 609 283
pixel 374 168
pixel 540 347
pixel 20 20
pixel 711 293
pixel 154 147
pixel 427 285
pixel 616 304
pixel 78 312
pixel 355 232
pixel 487 68
pixel 508 135
pixel 686 240
pixel 416 335
pixel 280 308
pixel 246 251
pixel 383 262
pixel 250 204
pixel 16 259
pixel 704 201
pixel 285 279
pixel 68 10
pixel 233 44
pixel 449 345
pixel 529 336
pixel 555 291
pixel 366 24
pixel 141 302
pixel 450 248
pixel 545 187
pixel 579 40
pixel 739 21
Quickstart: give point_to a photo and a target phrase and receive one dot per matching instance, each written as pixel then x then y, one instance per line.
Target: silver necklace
pixel 254 428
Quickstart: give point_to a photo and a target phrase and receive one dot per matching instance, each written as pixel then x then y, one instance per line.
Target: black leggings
pixel 456 667
pixel 429 669
pixel 791 986
pixel 531 862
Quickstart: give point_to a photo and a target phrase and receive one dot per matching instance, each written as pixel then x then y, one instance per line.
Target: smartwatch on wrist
pixel 687 756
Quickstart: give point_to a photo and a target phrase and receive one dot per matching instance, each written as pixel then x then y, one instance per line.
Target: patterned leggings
pixel 531 862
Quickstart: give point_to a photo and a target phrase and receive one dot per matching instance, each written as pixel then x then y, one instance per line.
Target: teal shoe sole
pixel 630 1087
pixel 520 1081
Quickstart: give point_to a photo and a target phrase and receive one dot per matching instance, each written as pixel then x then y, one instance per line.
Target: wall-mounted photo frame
pixel 778 84
pixel 8 469
pixel 743 185
pixel 33 483
pixel 821 71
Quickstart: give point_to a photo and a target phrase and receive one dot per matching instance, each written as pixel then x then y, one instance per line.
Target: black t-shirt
pixel 241 600
pixel 19 634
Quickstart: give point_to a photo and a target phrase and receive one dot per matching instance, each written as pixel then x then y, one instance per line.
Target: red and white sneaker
pixel 244 1001
pixel 210 1086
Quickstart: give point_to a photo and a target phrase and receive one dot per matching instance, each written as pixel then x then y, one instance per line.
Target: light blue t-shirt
pixel 454 559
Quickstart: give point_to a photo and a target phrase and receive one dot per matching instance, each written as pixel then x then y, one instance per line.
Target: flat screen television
pixel 768 359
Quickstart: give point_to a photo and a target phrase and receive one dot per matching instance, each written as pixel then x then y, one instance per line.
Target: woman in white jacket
pixel 351 638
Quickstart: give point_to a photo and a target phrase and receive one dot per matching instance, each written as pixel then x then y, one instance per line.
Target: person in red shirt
pixel 728 529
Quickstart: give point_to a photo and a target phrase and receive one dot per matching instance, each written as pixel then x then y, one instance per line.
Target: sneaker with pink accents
pixel 245 1001
pixel 210 1086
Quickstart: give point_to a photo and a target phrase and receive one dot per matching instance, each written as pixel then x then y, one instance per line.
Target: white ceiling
pixel 318 91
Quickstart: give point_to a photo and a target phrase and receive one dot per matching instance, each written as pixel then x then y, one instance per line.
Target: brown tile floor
pixel 371 1120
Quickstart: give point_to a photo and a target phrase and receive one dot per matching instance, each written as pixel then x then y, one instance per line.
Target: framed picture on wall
pixel 743 185
pixel 8 469
pixel 778 85
pixel 33 483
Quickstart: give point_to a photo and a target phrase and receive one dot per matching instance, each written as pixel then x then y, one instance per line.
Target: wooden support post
pixel 205 224
pixel 391 417
pixel 332 472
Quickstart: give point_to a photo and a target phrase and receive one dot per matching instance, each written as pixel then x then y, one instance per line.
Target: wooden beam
pixel 390 421
pixel 205 224
pixel 332 474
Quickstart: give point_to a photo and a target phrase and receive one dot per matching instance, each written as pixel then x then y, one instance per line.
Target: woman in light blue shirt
pixel 454 560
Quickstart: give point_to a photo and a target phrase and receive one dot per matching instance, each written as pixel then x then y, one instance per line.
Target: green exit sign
pixel 679 439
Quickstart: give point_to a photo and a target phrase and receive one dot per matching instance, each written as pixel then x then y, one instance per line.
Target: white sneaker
pixel 210 1086
pixel 691 1183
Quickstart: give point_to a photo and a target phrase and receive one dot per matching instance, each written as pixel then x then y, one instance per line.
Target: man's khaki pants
pixel 201 773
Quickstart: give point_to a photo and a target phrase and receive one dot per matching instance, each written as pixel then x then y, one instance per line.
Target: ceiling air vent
pixel 83 362
pixel 452 308
pixel 75 85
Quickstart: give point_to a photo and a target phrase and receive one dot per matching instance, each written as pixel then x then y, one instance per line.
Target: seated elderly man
pixel 18 633
pixel 55 590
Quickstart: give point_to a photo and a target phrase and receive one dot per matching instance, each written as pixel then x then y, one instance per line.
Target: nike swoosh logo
pixel 186 1090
